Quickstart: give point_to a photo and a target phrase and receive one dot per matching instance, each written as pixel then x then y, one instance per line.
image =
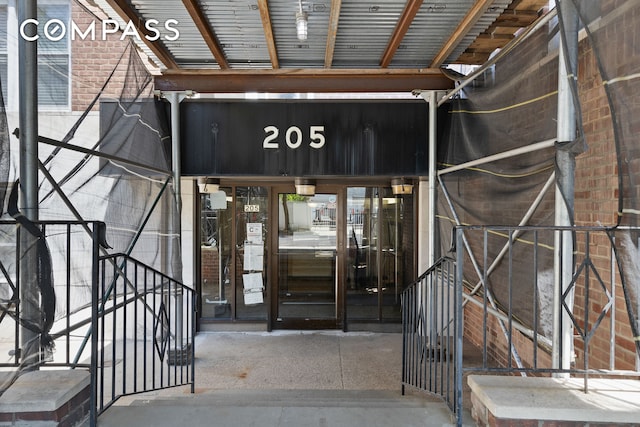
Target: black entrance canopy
pixel 303 138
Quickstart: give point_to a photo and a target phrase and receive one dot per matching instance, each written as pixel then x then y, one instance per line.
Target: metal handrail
pixel 143 318
pixel 64 328
pixel 428 334
pixel 434 305
pixel 141 321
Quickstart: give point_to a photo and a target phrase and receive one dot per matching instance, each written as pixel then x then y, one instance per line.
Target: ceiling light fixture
pixel 305 187
pixel 208 185
pixel 301 23
pixel 401 186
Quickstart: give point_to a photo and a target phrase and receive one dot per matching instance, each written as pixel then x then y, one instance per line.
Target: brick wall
pixel 497 346
pixel 596 203
pixel 596 189
pixel 92 61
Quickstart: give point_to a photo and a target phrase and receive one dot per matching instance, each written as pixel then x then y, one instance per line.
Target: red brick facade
pixel 596 204
pixel 596 194
pixel 92 61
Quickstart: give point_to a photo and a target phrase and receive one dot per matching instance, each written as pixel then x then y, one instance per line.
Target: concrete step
pixel 279 408
pixel 293 398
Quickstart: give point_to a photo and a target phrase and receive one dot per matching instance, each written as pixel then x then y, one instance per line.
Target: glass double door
pixel 308 285
pixel 344 253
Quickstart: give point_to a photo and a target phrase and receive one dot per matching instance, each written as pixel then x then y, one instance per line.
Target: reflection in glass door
pixel 307 288
pixel 234 229
pixel 379 233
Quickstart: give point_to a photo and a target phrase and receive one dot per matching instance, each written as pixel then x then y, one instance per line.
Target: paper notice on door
pixel 254 232
pixel 253 257
pixel 252 288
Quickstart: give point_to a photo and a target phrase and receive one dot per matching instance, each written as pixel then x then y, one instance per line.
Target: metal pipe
pixel 500 156
pixel 175 98
pixel 28 123
pixel 433 141
pixel 612 320
pixel 459 326
pixel 115 160
pixel 95 278
pixel 565 165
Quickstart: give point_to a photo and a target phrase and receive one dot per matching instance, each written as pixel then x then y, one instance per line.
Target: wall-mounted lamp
pixel 305 187
pixel 301 23
pixel 208 185
pixel 401 186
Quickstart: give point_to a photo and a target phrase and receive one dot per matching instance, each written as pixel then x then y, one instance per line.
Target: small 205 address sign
pixel 294 137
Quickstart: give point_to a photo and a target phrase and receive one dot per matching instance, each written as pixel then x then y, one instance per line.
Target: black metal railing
pixel 131 326
pixel 144 331
pixel 69 254
pixel 511 283
pixel 429 333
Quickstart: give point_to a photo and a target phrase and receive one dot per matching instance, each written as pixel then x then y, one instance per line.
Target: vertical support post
pixel 433 141
pixel 28 123
pixel 428 232
pixel 95 299
pixel 426 293
pixel 458 324
pixel 175 98
pixel 564 202
pixel 431 245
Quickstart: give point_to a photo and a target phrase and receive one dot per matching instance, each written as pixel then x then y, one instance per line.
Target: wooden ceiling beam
pixel 469 58
pixel 408 15
pixel 124 10
pixel 301 81
pixel 469 20
pixel 332 33
pixel 202 23
pixel 268 33
pixel 517 18
pixel 519 14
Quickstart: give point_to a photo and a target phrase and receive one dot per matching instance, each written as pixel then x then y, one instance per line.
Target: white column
pixel 427 191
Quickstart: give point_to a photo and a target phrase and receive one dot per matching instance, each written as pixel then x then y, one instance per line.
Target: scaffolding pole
pixel 565 165
pixel 433 142
pixel 175 98
pixel 28 122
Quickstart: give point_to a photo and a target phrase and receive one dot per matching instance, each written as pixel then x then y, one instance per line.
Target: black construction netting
pixel 512 105
pixel 110 163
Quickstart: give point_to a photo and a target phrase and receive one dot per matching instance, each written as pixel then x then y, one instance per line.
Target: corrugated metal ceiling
pixel 367 35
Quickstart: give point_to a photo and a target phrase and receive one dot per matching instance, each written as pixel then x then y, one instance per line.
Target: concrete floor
pixel 288 378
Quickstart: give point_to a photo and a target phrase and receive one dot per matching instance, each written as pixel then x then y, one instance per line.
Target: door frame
pixel 339 322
